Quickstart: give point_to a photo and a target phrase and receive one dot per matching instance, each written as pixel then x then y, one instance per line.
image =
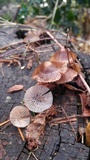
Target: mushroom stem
pixel 85 83
pixel 1 124
pixel 21 134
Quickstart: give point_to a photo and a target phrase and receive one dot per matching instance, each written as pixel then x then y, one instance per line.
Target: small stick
pixel 29 156
pixel 54 39
pixel 34 156
pixel 69 121
pixel 85 83
pixel 21 134
pixel 1 124
pixel 11 52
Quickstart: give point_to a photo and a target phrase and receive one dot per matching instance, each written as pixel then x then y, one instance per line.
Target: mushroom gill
pixel 38 98
pixel 20 116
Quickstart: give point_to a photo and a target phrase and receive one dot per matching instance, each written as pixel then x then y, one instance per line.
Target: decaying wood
pixel 57 142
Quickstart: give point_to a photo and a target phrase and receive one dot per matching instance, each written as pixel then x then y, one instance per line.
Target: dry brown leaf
pixel 15 88
pixel 29 65
pixel 85 101
pixel 34 131
pixel 32 36
pixel 51 113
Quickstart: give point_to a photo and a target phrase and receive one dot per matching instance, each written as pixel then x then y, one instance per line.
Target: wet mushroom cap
pixel 38 98
pixel 68 76
pixel 46 72
pixel 61 66
pixel 20 116
pixel 63 56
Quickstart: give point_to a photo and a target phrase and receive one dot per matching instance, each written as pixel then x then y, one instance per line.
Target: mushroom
pixel 38 98
pixel 46 72
pixel 61 66
pixel 64 56
pixel 20 116
pixel 68 76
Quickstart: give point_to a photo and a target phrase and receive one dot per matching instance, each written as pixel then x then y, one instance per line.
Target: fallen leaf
pixel 15 88
pixel 29 65
pixel 32 36
pixel 34 131
pixel 51 113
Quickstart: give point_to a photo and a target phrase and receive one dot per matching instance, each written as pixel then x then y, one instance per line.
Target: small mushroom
pixel 63 56
pixel 20 116
pixel 61 66
pixel 38 98
pixel 68 76
pixel 46 72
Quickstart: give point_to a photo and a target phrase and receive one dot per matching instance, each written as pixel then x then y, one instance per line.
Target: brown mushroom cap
pixel 38 98
pixel 68 76
pixel 61 66
pixel 63 56
pixel 46 72
pixel 20 116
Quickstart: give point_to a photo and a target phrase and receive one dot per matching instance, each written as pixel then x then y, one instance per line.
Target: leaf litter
pixel 15 88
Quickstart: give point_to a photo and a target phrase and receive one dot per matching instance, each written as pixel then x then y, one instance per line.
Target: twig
pixel 54 39
pixel 84 82
pixel 64 119
pixel 16 14
pixel 12 51
pixel 69 121
pixel 14 43
pixel 34 156
pixel 29 156
pixel 1 124
pixel 21 134
pixel 54 12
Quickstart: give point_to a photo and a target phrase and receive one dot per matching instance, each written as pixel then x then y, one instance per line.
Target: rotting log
pixel 57 142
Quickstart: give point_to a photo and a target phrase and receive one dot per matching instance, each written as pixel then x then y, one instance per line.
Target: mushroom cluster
pixel 61 68
pixel 37 99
